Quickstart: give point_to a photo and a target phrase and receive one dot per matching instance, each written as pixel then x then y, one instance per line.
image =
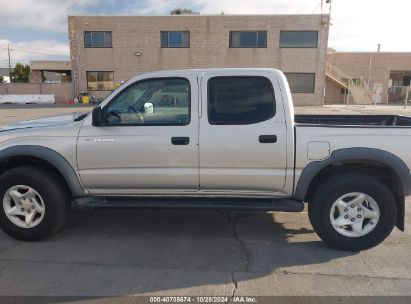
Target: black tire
pixel 55 198
pixel 325 195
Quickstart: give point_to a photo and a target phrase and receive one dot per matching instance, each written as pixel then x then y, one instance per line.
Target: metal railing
pixel 358 90
pixel 336 74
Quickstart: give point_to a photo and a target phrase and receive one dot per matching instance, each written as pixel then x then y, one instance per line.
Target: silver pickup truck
pixel 215 138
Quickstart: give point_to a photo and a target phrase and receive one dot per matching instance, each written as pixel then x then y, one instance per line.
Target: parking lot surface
pixel 181 252
pixel 191 252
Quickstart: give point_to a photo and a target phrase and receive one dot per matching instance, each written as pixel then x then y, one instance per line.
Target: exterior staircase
pixel 358 89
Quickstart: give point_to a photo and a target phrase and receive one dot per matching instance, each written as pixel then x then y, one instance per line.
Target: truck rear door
pixel 243 136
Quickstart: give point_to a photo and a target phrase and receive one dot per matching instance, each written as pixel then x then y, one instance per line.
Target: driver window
pixel 156 102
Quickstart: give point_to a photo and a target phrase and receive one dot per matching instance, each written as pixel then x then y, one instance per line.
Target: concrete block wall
pixel 209 46
pixel 333 93
pixel 62 91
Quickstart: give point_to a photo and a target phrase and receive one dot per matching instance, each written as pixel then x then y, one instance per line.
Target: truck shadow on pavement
pixel 126 252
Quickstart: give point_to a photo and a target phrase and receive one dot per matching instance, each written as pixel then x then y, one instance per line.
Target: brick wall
pixel 209 46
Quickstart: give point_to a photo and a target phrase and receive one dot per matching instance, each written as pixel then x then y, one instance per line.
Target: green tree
pixel 180 11
pixel 21 73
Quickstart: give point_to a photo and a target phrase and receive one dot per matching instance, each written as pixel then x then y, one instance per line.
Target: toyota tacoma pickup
pixel 212 138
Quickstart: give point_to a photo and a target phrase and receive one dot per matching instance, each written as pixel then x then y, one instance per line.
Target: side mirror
pixel 148 108
pixel 96 116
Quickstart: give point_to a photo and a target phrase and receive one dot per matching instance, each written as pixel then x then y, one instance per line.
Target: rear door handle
pixel 267 139
pixel 180 141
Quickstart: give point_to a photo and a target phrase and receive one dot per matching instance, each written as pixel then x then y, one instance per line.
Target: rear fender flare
pixel 366 154
pixel 399 168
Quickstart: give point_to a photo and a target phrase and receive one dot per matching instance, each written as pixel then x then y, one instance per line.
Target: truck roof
pixel 209 70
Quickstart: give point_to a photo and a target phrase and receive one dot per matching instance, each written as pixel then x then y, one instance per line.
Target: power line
pixel 9 61
pixel 36 52
pixel 320 3
pixel 33 52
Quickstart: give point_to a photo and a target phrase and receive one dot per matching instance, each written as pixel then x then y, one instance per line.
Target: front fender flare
pixel 54 158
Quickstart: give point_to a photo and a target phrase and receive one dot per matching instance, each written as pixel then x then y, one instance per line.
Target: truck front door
pixel 243 134
pixel 148 143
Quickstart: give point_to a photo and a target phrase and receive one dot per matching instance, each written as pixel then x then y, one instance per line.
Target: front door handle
pixel 180 141
pixel 267 139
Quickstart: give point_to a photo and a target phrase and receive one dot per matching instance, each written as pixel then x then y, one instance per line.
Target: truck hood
pixel 53 121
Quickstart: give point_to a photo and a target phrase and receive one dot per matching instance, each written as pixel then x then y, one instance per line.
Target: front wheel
pixel 34 203
pixel 352 211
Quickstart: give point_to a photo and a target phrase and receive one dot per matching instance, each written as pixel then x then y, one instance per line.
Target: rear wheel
pixel 34 203
pixel 352 211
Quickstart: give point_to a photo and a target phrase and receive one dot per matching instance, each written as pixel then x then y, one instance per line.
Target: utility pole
pixel 329 2
pixel 8 52
pixel 369 70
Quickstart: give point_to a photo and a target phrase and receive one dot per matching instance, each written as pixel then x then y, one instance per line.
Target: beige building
pixel 385 77
pixel 106 50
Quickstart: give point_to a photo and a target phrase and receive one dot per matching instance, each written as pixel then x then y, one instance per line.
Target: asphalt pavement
pixel 180 252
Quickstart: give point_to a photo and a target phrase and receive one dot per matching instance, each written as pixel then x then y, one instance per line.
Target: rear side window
pixel 240 100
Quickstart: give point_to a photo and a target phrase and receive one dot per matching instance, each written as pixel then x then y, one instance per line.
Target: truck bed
pixel 354 120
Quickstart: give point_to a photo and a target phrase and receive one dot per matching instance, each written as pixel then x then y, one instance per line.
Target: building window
pixel 97 40
pixel 248 39
pixel 100 81
pixel 240 100
pixel 298 39
pixel 301 82
pixel 175 39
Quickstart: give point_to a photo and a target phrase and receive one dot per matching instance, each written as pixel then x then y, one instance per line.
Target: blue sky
pixel 37 29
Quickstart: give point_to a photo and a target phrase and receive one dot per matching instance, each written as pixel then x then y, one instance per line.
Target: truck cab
pixel 192 135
